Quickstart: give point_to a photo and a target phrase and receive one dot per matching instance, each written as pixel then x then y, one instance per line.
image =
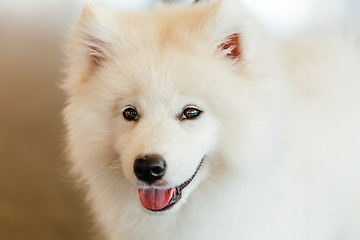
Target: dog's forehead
pixel 162 31
pixel 162 83
pixel 164 75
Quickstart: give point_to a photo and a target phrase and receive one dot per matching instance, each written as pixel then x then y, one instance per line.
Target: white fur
pixel 280 129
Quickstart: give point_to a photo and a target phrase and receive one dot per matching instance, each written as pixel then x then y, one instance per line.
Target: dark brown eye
pixel 130 114
pixel 190 113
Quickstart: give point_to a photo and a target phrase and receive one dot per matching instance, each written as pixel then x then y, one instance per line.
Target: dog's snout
pixel 149 168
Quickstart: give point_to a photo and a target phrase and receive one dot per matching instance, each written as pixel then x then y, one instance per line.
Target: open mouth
pixel 157 199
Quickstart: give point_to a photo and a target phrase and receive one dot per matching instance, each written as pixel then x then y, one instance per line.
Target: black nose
pixel 149 168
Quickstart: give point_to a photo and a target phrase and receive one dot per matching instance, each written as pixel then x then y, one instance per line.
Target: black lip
pixel 178 191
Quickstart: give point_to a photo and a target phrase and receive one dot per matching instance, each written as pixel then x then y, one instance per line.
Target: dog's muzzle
pixel 149 169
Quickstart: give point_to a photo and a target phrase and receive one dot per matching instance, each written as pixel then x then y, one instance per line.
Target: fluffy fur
pixel 279 134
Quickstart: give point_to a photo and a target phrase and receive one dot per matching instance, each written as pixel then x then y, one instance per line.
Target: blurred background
pixel 37 198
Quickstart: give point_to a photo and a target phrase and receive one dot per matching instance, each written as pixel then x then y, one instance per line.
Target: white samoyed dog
pixel 193 123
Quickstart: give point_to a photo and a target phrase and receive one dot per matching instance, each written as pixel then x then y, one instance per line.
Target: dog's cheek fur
pixel 90 139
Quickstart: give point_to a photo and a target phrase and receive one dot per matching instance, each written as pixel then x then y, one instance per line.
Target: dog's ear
pixel 95 33
pixel 89 45
pixel 91 38
pixel 236 33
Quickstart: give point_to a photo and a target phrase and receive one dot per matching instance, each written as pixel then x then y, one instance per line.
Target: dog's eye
pixel 190 113
pixel 130 114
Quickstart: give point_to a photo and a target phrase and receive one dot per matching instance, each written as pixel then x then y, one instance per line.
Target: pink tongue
pixel 155 199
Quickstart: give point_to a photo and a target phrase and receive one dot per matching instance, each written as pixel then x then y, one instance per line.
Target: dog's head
pixel 155 94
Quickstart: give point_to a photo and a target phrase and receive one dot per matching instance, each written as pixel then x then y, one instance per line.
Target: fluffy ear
pixel 235 31
pixel 91 40
pixel 89 45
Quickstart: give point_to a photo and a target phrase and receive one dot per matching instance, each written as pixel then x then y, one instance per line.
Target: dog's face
pixel 147 93
pixel 165 128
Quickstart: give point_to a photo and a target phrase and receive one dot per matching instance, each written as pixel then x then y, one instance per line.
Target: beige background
pixel 37 199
